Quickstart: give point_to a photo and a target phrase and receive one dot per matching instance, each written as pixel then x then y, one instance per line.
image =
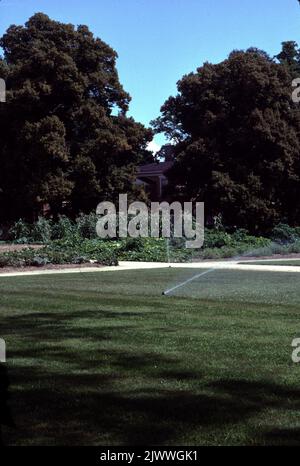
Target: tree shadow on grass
pixel 101 395
pixel 88 409
pixel 5 413
pixel 283 437
pixel 57 324
pixel 262 395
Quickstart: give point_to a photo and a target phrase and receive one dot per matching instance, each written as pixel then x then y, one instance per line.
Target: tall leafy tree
pixel 65 138
pixel 290 57
pixel 237 140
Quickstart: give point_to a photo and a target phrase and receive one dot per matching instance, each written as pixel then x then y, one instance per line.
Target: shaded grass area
pixel 104 359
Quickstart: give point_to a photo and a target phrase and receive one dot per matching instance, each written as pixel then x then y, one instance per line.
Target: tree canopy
pixel 237 132
pixel 65 138
pixel 290 57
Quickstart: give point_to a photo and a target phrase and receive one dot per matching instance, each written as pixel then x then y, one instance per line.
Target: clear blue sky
pixel 160 40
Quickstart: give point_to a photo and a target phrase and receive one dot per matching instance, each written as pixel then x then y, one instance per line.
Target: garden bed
pixel 5 270
pixel 18 247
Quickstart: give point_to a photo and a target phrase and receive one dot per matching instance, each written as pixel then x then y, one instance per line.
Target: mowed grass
pixel 105 359
pixel 293 262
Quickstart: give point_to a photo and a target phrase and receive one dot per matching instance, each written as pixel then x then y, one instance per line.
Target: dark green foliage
pixel 20 232
pixel 285 234
pixel 237 136
pixel 86 225
pixel 290 57
pixel 63 228
pixel 42 231
pixel 65 138
pixel 218 239
pixel 45 230
pixel 75 248
pixel 60 253
pixel 68 241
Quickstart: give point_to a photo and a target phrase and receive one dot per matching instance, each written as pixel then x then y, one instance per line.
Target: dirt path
pixel 18 247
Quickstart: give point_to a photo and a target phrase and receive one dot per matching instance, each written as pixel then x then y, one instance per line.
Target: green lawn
pixel 294 262
pixel 105 359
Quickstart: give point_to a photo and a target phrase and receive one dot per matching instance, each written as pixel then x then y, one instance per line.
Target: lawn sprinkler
pixel 167 292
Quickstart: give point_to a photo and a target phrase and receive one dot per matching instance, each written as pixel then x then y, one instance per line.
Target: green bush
pixel 211 253
pixel 58 253
pixel 107 258
pixel 39 261
pixel 6 261
pixel 63 228
pixel 216 239
pixel 86 225
pixel 45 230
pixel 285 234
pixel 294 248
pixel 20 232
pixel 41 231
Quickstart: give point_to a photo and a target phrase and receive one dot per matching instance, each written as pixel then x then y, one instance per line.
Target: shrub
pixel 4 261
pixel 216 239
pixel 39 261
pixel 295 247
pixel 241 235
pixel 278 249
pixel 240 238
pixel 57 253
pixel 135 244
pixel 63 228
pixel 226 252
pixel 86 225
pixel 41 231
pixel 285 234
pixel 20 232
pixel 211 253
pixel 106 258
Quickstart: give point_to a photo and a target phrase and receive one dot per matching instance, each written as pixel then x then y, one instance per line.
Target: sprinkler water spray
pixel 236 258
pixel 167 292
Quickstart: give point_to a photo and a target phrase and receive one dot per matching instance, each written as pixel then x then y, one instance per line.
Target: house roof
pixel 155 169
